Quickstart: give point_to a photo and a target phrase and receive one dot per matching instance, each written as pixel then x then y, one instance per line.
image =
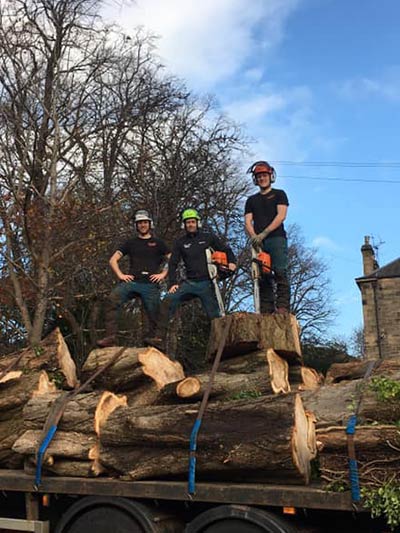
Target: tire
pixel 108 515
pixel 238 519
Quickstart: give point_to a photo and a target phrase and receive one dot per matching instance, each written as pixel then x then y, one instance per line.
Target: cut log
pixel 51 355
pixel 13 396
pixel 226 387
pixel 278 372
pixel 265 438
pixel 78 416
pixel 332 405
pixel 135 367
pixel 377 452
pixel 64 444
pixel 105 407
pixel 250 332
pixel 62 467
pixel 245 363
pixel 304 378
pixel 389 368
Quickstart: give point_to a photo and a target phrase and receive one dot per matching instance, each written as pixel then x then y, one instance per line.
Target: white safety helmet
pixel 142 214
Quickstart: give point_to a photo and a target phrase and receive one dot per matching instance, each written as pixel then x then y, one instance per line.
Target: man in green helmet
pixel 191 250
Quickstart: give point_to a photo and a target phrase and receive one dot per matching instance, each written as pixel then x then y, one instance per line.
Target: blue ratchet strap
pixel 353 467
pixel 203 405
pixel 42 450
pixel 192 457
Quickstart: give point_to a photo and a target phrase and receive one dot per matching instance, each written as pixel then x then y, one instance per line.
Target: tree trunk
pixel 51 355
pixel 333 404
pixel 250 332
pixel 389 368
pixel 135 367
pixel 78 415
pixel 62 467
pixel 377 453
pixel 266 438
pixel 14 394
pixel 64 444
pixel 225 387
pixel 304 378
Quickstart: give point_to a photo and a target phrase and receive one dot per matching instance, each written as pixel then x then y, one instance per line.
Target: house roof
pixel 391 270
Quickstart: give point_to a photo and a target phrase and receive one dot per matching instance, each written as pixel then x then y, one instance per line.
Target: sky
pixel 316 85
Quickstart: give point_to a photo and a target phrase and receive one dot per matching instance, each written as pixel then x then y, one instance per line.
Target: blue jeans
pixel 127 290
pixel 277 248
pixel 194 289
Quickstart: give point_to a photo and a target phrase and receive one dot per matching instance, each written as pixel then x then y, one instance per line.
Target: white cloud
pixel 387 86
pixel 207 41
pixel 327 243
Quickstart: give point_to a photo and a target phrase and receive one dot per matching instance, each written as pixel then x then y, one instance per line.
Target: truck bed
pixel 308 497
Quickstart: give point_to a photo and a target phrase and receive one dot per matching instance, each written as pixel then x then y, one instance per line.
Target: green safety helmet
pixel 190 213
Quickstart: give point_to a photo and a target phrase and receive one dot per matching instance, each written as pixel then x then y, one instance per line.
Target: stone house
pixel 380 291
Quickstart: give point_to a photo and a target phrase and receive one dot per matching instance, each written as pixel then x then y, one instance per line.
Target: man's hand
pixel 126 277
pixel 158 278
pixel 232 267
pixel 257 240
pixel 173 289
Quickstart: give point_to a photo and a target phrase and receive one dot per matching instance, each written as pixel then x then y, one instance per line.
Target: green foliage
pixel 386 389
pixel 246 395
pixel 384 501
pixel 38 350
pixel 57 378
pixel 338 486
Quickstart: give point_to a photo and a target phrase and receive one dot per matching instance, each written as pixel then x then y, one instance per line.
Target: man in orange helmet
pixel 264 216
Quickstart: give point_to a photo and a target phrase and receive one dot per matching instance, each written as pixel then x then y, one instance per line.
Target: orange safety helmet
pixel 261 166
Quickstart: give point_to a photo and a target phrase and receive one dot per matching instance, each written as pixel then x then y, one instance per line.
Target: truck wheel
pixel 106 514
pixel 238 519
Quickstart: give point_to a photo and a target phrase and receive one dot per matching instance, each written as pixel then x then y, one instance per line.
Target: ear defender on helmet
pixel 142 214
pixel 190 213
pixel 261 166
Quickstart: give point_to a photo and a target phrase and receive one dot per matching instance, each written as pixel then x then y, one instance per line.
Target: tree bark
pixel 51 355
pixel 225 387
pixel 135 367
pixel 251 332
pixel 389 368
pixel 266 438
pixel 377 453
pixel 304 378
pixel 333 404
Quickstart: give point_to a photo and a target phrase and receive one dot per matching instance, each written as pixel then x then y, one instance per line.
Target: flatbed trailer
pixel 75 505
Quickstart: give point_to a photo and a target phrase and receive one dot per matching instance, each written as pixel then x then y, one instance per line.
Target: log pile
pixel 39 370
pixel 267 419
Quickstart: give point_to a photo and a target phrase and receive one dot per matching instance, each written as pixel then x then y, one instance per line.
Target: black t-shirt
pixel 264 208
pixel 191 248
pixel 145 256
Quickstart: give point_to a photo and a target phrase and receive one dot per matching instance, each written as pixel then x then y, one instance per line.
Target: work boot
pixel 155 342
pixel 106 342
pixel 281 311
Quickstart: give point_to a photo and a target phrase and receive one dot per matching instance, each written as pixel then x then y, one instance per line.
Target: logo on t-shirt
pixel 151 244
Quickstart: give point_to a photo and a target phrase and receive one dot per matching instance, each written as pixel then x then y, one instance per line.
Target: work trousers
pixel 149 293
pixel 277 248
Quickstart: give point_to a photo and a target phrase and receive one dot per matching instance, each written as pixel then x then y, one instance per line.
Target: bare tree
pixel 311 297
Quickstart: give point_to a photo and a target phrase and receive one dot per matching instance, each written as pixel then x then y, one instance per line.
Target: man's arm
pixel 157 278
pixel 173 264
pixel 248 224
pixel 115 267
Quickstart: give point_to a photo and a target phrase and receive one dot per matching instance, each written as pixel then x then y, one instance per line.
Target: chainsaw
pixel 218 268
pixel 260 267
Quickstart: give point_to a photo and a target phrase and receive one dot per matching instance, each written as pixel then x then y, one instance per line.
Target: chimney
pixel 368 255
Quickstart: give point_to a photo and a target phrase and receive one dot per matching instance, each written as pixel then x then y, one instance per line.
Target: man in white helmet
pixel 146 255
